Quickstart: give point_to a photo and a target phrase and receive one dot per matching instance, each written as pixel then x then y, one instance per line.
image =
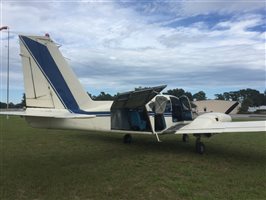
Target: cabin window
pixel 186 108
pixel 130 119
pixel 168 107
pixel 176 110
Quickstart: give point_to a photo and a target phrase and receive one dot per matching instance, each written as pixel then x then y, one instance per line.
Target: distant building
pixel 215 106
pixel 261 109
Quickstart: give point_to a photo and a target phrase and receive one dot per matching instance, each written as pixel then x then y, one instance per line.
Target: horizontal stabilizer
pixel 48 114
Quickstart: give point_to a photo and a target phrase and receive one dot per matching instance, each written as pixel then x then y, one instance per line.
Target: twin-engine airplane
pixel 55 99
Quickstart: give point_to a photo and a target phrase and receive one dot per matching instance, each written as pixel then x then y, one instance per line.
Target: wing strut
pixel 158 139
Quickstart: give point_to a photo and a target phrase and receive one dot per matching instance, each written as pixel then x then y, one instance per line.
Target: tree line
pixel 247 97
pixel 175 92
pixel 22 104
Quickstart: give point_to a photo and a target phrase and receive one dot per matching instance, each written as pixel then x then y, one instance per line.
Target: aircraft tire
pixel 200 148
pixel 127 139
pixel 185 138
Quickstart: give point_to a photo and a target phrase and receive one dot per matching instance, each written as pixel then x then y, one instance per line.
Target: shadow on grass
pixel 173 145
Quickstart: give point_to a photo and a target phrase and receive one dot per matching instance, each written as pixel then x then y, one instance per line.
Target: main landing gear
pixel 200 147
pixel 127 139
pixel 185 138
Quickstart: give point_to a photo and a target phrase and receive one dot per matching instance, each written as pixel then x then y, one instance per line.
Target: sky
pixel 115 46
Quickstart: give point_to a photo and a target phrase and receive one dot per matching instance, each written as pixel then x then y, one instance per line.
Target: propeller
pixel 231 108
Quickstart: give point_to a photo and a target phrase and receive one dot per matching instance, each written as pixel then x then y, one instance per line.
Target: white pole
pixel 7 92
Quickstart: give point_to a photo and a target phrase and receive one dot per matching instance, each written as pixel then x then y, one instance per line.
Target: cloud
pixel 117 46
pixel 199 7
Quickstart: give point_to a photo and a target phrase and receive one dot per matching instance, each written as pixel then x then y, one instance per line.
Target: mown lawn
pixel 39 164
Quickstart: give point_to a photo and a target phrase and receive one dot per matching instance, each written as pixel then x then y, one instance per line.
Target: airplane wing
pixel 48 114
pixel 220 123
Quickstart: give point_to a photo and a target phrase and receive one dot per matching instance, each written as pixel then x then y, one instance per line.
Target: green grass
pixel 39 164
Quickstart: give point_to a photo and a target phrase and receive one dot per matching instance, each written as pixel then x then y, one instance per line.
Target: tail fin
pixel 49 81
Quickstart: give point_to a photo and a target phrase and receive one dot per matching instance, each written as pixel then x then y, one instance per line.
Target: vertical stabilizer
pixel 49 81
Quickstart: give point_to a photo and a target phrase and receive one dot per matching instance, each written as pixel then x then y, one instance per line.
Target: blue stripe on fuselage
pixel 50 70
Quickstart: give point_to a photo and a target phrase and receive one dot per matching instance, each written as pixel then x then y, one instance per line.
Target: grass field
pixel 39 164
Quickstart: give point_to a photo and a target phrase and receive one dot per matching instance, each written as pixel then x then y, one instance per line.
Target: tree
pixel 179 92
pixel 234 95
pixel 255 97
pixel 226 96
pixel 23 101
pixel 189 96
pixel 104 96
pixel 245 105
pixel 2 105
pixel 90 95
pixel 141 88
pixel 200 96
pixel 264 98
pixel 219 97
pixel 176 92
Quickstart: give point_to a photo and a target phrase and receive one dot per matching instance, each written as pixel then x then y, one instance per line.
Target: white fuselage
pixel 102 120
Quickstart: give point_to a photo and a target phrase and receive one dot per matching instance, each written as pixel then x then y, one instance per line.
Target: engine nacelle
pixel 218 117
pixel 206 121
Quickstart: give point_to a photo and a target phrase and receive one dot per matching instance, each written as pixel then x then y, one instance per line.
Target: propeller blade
pixel 232 108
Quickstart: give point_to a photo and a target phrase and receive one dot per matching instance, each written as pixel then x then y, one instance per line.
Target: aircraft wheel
pixel 200 147
pixel 185 138
pixel 127 139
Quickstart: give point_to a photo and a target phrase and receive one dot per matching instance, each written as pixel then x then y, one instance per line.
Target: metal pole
pixel 7 82
pixel 7 90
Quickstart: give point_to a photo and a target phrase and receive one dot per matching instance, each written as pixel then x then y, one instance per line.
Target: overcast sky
pixel 115 46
